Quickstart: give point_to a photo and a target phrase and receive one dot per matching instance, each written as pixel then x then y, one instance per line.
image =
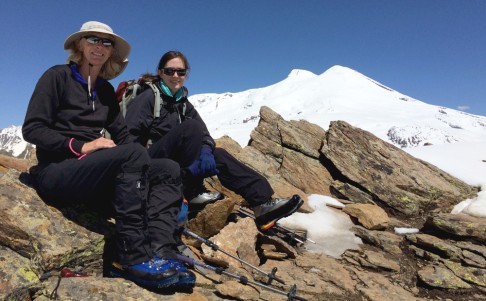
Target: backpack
pixel 128 90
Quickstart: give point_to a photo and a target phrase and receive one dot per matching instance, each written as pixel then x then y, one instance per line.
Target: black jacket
pixel 143 126
pixel 61 116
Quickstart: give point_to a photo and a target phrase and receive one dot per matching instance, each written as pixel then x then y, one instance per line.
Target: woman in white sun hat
pixel 118 59
pixel 71 106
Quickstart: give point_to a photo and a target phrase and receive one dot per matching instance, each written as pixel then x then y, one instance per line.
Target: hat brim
pixel 121 45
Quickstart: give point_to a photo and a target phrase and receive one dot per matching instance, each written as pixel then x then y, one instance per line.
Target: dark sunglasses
pixel 172 71
pixel 95 40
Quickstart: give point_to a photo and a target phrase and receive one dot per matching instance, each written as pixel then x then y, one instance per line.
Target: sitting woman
pixel 180 134
pixel 69 109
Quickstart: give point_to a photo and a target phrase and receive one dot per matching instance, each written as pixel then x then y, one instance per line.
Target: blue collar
pixel 179 94
pixel 79 78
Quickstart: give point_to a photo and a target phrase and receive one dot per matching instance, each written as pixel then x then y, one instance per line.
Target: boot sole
pixel 187 281
pixel 266 225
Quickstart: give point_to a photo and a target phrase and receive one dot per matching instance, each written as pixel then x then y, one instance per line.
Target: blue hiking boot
pixel 186 277
pixel 155 273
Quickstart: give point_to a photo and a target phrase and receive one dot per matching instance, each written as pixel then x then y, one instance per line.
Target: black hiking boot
pixel 268 213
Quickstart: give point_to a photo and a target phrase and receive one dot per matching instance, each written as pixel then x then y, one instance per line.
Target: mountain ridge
pixel 339 93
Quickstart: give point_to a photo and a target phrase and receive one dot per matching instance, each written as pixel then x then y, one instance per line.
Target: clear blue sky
pixel 432 50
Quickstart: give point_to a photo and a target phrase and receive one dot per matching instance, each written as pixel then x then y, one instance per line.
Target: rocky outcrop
pixel 391 177
pixel 383 188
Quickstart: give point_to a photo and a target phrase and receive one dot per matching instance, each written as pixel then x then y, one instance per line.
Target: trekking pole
pixel 242 279
pixel 299 238
pixel 271 276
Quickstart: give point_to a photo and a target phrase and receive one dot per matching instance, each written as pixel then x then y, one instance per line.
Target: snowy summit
pixel 452 140
pixel 429 132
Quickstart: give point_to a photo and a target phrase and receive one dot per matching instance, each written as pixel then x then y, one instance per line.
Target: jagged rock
pixel 351 192
pixel 21 165
pixel 329 270
pixel 468 274
pixel 97 288
pixel 247 253
pixel 461 225
pixel 32 235
pixel 396 223
pixel 271 254
pixel 301 136
pixel 268 167
pixel 429 256
pixel 436 245
pixel 465 245
pixel 230 239
pixel 473 255
pixel 370 216
pixel 278 244
pixel 439 276
pixel 377 287
pixel 296 157
pixel 295 147
pixel 390 175
pixel 384 240
pixel 238 291
pixel 210 220
pixel 15 272
pixel 374 260
pixel 314 282
pixel 473 259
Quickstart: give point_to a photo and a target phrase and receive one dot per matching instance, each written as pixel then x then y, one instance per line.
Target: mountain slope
pixel 12 143
pixel 340 93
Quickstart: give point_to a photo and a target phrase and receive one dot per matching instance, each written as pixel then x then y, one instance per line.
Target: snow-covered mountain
pixel 339 93
pixel 12 143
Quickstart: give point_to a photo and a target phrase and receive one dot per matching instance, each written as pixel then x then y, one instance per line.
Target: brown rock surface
pixel 444 261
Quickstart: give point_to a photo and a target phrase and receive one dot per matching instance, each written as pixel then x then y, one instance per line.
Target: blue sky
pixel 431 50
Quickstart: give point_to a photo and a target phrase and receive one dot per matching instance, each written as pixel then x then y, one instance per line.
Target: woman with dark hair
pixel 69 109
pixel 180 134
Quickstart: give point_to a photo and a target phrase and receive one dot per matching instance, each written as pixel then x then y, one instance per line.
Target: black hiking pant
pixel 146 196
pixel 183 144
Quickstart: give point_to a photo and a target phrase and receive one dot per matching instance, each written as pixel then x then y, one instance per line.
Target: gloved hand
pixel 208 164
pixel 195 169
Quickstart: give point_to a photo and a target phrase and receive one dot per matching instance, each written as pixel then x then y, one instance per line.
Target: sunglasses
pixel 95 40
pixel 172 71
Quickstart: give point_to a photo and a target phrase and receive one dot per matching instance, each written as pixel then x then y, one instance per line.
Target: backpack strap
pixel 157 104
pixel 131 91
pixel 158 99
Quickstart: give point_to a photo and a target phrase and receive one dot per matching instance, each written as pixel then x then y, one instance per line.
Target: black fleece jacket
pixel 61 116
pixel 143 126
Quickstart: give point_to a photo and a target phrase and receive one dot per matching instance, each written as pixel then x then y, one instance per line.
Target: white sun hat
pixel 121 45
